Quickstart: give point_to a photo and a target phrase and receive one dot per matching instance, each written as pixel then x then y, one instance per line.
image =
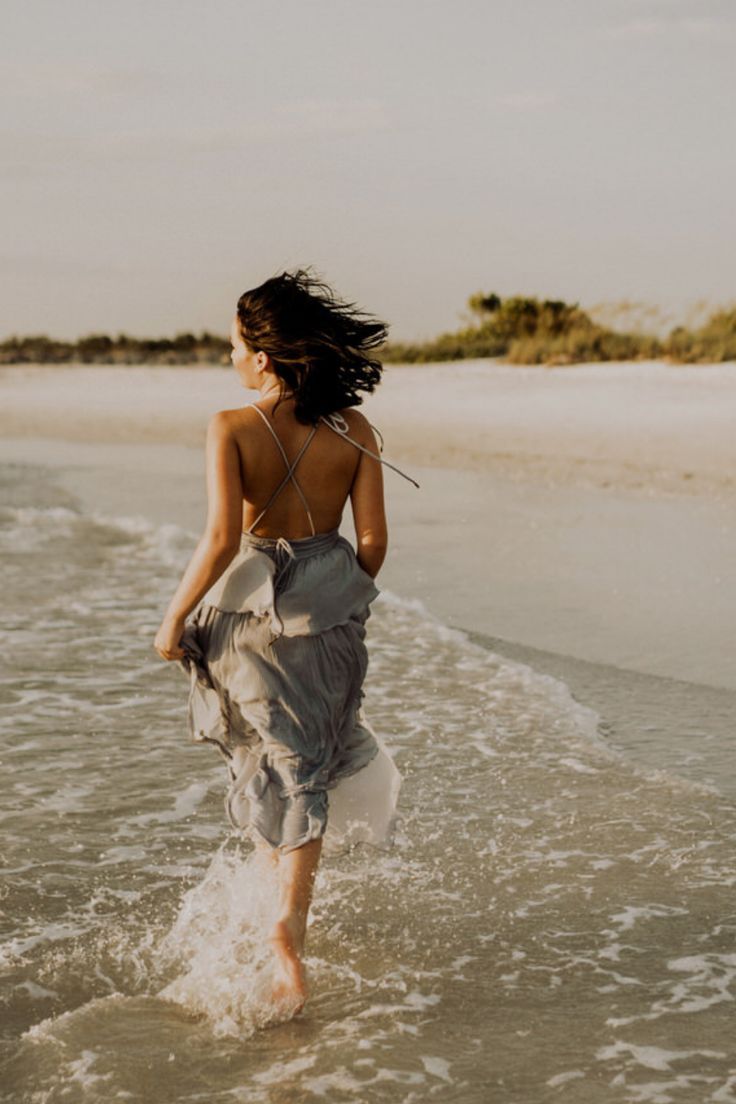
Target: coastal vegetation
pixel 522 330
pixel 517 330
pixel 714 341
pixel 185 348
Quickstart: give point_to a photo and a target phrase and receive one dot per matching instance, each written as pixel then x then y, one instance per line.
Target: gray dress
pixel 277 658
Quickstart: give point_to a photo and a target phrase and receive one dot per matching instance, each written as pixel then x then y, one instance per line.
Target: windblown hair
pixel 319 346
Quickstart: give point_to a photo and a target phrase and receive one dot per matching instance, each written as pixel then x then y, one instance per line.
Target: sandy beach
pixel 586 511
pixel 566 840
pixel 648 426
pixel 524 885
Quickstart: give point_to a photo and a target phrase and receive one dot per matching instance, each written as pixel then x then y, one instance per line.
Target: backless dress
pixel 276 657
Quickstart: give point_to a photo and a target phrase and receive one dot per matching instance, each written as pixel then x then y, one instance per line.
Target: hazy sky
pixel 160 157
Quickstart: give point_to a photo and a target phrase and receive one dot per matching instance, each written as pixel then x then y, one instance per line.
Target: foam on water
pixel 538 878
pixel 223 968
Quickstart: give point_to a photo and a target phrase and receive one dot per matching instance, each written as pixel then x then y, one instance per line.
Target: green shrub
pixel 524 330
pixel 713 343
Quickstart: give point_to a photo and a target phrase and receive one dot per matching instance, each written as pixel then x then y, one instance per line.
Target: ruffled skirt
pixel 277 659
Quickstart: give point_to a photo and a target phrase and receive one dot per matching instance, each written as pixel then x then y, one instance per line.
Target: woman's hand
pixel 167 639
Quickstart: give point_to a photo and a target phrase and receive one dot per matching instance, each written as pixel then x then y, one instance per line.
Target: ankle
pixel 292 927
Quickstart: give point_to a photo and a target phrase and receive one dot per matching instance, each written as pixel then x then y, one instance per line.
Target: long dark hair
pixel 318 344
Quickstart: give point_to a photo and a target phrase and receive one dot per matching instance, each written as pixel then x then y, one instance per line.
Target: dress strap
pixel 338 425
pixel 289 474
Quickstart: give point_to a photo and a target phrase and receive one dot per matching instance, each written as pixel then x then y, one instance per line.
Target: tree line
pixel 518 329
pixel 185 348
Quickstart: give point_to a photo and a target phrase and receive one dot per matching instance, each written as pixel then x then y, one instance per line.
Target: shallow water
pixel 555 920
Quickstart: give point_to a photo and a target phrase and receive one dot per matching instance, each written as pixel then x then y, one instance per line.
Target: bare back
pixel 326 472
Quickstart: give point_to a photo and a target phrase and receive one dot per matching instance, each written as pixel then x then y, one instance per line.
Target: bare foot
pixel 290 985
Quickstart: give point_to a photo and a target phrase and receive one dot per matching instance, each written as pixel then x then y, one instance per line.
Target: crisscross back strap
pixel 291 468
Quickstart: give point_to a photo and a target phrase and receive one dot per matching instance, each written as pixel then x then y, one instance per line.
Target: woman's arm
pixel 366 499
pixel 220 540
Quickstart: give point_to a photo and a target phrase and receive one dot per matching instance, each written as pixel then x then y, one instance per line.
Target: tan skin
pixel 243 467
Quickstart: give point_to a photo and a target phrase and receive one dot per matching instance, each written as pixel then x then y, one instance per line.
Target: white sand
pixel 587 511
pixel 648 426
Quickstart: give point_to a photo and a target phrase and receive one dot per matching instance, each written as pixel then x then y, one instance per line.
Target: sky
pixel 161 157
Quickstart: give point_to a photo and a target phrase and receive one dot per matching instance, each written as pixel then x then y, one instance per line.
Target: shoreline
pixel 624 570
pixel 664 724
pixel 483 555
pixel 616 578
pixel 584 511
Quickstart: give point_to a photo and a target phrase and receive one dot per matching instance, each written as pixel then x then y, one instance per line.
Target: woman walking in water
pixel 275 647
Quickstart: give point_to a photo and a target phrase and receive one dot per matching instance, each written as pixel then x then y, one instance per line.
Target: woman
pixel 276 649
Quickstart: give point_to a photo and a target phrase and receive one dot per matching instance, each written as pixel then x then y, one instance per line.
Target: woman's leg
pixel 297 870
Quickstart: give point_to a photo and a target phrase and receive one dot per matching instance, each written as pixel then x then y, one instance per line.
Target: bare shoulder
pixel 228 423
pixel 359 427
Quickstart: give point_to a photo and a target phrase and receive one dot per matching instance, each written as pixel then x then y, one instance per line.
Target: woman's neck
pixel 268 391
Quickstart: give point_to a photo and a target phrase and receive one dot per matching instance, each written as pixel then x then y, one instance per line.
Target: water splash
pixel 218 943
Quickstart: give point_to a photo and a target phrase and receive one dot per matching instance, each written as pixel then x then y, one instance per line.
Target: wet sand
pixel 579 520
pixel 588 511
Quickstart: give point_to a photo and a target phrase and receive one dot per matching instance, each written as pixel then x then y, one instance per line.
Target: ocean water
pixel 554 921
